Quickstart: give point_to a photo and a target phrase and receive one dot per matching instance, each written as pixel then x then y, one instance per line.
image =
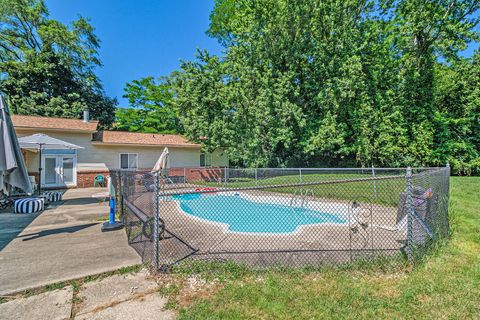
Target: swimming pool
pixel 244 215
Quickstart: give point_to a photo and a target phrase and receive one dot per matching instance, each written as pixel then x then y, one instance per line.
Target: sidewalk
pixel 130 296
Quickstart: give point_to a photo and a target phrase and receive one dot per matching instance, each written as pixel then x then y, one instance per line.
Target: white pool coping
pixel 338 209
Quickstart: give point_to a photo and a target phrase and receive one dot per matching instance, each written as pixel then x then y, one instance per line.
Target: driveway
pixel 62 243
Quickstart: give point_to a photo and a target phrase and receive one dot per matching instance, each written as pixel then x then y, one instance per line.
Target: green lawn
pixel 445 286
pixel 381 191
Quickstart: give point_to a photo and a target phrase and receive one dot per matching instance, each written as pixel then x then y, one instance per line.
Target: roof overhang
pixel 113 144
pixel 54 129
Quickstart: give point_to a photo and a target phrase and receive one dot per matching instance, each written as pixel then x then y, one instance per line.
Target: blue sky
pixel 144 37
pixel 141 38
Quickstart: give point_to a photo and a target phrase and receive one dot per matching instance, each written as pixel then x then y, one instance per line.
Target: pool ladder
pixel 301 194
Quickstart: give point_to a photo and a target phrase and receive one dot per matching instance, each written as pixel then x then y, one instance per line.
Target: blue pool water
pixel 243 215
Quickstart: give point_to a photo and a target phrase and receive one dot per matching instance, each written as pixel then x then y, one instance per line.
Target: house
pixel 104 150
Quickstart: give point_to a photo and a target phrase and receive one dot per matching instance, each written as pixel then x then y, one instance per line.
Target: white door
pixel 59 170
pixel 68 175
pixel 50 173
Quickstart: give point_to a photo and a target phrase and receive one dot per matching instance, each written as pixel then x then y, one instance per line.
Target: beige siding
pixel 110 155
pixel 147 156
pixel 78 138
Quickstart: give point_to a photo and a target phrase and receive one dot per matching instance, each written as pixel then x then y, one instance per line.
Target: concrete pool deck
pixel 189 236
pixel 60 244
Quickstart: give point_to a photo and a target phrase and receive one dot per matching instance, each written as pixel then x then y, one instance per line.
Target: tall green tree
pixel 326 82
pixel 457 119
pixel 48 68
pixel 152 108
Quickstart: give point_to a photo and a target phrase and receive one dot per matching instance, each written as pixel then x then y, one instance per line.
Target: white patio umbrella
pixel 13 170
pixel 40 141
pixel 162 161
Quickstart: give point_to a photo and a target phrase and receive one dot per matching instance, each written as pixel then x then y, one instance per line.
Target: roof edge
pixel 190 146
pixel 53 129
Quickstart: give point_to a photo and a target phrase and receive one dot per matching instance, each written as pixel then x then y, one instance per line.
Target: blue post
pixel 111 224
pixel 112 210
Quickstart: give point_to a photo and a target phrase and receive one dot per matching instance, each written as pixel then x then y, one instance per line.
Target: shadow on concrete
pixel 84 201
pixel 11 225
pixel 45 233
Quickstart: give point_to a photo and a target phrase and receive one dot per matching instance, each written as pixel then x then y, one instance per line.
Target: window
pixel 128 160
pixel 205 160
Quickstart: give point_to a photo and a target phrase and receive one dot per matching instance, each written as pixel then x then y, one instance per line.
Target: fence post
pixel 184 175
pixel 156 214
pixel 409 209
pixel 448 179
pixel 301 186
pixel 374 182
pixel 256 177
pixel 447 192
pixel 120 193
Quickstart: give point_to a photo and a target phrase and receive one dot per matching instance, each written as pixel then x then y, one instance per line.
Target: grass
pixel 446 285
pixel 386 190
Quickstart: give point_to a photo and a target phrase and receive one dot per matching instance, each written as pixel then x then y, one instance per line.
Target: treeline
pixel 337 83
pixel 328 83
pixel 48 68
pixel 299 83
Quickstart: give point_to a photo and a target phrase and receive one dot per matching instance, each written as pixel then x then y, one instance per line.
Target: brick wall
pixel 197 174
pixel 85 178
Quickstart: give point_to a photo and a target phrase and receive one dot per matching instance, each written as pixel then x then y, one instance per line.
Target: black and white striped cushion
pixel 29 205
pixel 57 196
pixel 46 195
pixel 52 196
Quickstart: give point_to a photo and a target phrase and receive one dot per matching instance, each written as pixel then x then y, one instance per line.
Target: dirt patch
pixel 182 292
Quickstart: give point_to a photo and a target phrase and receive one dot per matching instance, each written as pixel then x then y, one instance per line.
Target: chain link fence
pixel 283 217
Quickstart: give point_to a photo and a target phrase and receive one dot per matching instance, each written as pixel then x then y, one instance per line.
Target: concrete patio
pixel 62 243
